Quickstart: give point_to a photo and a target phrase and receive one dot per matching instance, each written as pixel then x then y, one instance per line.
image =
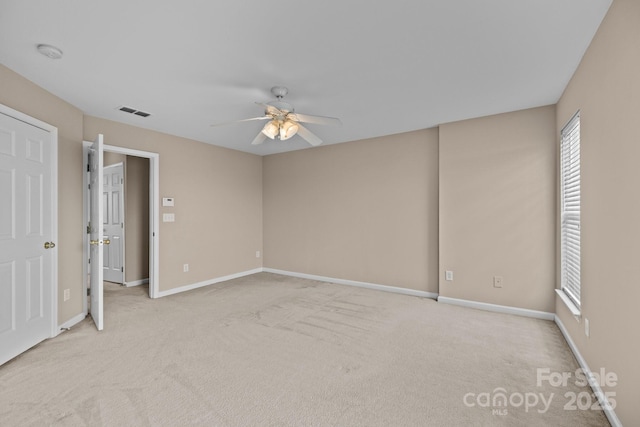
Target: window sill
pixel 570 305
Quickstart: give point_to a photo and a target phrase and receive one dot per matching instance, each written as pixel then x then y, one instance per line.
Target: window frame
pixel 570 213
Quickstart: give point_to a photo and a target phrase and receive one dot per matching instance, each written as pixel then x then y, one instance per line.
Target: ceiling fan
pixel 284 122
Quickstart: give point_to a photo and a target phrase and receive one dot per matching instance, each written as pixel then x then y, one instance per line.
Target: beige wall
pixel 497 208
pixel 113 158
pixel 365 210
pixel 218 203
pixel 22 95
pixel 136 218
pixel 606 89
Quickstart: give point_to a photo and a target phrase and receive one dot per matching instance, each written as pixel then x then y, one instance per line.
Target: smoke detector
pixel 49 51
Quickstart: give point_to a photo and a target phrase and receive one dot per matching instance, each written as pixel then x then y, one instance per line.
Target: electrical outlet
pixel 257 254
pixel 497 281
pixel 448 275
pixel 586 327
pixel 185 268
pixel 67 294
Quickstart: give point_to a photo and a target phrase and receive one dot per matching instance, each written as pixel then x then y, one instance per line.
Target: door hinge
pixel 88 291
pixel 122 269
pixel 88 167
pixel 89 228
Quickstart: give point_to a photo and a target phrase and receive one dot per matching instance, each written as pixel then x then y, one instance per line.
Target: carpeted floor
pixel 269 350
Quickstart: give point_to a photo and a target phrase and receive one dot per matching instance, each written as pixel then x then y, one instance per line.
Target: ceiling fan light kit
pixel 288 129
pixel 284 123
pixel 271 129
pixel 282 130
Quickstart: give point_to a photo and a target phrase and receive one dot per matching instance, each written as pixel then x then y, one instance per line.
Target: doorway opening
pixel 151 269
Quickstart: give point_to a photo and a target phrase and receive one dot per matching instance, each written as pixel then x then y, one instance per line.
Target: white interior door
pixel 26 230
pixel 113 217
pixel 96 238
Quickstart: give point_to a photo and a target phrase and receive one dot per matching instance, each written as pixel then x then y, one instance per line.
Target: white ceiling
pixel 382 67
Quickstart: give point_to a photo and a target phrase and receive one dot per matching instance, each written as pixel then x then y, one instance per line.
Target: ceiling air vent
pixel 134 111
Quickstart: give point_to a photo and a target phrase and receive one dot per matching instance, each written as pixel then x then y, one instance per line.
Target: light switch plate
pixel 497 281
pixel 587 331
pixel 168 217
pixel 167 201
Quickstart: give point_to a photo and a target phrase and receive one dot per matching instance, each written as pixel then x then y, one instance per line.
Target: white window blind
pixel 570 214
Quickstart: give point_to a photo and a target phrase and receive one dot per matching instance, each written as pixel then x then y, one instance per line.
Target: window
pixel 570 209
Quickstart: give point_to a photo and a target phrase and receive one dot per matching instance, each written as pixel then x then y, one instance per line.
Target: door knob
pixel 49 245
pixel 99 242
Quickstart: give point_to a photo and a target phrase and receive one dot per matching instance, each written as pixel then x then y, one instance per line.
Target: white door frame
pixel 154 219
pixel 55 329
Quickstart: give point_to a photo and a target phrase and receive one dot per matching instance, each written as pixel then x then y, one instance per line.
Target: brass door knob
pixel 99 242
pixel 49 245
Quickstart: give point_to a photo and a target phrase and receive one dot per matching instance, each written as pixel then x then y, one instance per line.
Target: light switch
pixel 167 201
pixel 168 217
pixel 497 281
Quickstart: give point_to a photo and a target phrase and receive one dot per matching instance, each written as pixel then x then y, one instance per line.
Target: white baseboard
pixel 136 283
pixel 207 282
pixel 498 308
pixel 375 286
pixel 72 322
pixel 595 386
pixel 367 285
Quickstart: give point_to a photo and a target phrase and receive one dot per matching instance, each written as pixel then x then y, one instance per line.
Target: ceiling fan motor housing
pixel 285 107
pixel 279 91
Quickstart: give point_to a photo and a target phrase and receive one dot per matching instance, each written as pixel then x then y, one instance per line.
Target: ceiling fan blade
pixel 320 120
pixel 259 139
pixel 270 109
pixel 243 120
pixel 308 136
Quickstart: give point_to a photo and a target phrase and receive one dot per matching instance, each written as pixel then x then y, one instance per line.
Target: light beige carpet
pixel 269 350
